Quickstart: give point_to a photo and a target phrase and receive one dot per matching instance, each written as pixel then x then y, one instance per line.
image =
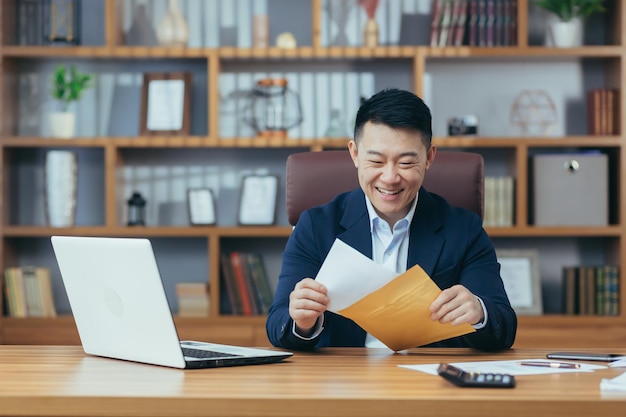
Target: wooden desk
pixel 63 381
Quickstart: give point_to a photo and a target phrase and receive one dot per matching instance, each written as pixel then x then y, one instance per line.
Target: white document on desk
pixel 393 308
pixel 511 367
pixel 620 363
pixel 615 384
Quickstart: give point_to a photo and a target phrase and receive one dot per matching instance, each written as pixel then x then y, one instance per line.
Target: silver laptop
pixel 121 310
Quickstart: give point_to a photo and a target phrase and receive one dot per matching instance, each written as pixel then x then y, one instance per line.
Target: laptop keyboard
pixel 205 354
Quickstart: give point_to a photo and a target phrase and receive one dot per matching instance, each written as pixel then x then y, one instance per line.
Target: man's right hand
pixel 307 302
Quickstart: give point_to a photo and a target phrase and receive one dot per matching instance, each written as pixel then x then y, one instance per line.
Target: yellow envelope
pixel 398 313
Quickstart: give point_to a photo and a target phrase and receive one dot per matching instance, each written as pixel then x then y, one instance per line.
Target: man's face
pixel 391 164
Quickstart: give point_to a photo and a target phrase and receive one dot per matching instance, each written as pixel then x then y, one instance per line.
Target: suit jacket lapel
pixel 425 244
pixel 356 223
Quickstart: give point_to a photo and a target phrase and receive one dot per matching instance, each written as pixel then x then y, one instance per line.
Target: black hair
pixel 397 109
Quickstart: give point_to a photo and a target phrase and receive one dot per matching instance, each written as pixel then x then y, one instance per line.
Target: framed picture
pixel 257 203
pixel 519 270
pixel 165 104
pixel 201 205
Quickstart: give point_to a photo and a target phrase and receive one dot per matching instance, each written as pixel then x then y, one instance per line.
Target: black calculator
pixel 475 379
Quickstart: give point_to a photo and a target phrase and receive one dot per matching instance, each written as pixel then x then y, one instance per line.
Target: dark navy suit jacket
pixel 449 243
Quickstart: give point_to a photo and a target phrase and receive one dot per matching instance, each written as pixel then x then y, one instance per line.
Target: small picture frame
pixel 165 104
pixel 257 202
pixel 201 203
pixel 519 270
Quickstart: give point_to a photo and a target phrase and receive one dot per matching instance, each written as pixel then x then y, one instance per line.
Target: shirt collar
pixel 373 215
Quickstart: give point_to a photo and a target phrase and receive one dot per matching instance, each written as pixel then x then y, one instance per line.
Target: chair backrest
pixel 315 178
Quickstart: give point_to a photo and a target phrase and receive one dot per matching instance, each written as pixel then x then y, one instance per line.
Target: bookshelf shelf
pixel 214 139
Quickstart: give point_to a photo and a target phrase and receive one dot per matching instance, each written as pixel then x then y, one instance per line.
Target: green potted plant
pixel 68 85
pixel 567 10
pixel 565 29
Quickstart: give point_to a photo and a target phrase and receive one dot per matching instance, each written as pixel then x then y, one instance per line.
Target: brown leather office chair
pixel 314 178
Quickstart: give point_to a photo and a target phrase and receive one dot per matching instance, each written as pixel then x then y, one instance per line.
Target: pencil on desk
pixel 563 365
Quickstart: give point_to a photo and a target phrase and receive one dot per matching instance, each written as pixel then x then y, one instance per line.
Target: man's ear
pixel 430 156
pixel 354 152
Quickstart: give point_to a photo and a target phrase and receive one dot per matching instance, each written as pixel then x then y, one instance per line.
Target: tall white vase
pixel 173 29
pixel 61 182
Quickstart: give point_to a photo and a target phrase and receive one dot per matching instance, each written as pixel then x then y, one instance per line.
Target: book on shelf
pixel 260 280
pixel 233 304
pixel 437 14
pixel 28 292
pixel 602 111
pixel 591 290
pixel 499 197
pixel 247 286
pixel 193 299
pixel 248 305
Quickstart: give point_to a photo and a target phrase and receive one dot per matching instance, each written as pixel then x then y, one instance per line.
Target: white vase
pixel 62 124
pixel 60 185
pixel 565 34
pixel 173 29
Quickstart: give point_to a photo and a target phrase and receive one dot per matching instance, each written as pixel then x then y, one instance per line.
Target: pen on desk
pixel 563 365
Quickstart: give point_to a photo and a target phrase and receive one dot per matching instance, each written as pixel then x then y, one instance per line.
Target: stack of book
pixel 247 288
pixel 499 197
pixel 591 290
pixel 484 23
pixel 603 111
pixel 28 292
pixel 193 299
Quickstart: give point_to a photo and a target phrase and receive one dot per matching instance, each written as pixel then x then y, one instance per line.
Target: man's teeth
pixel 388 192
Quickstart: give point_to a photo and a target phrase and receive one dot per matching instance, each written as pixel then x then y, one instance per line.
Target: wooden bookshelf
pixel 549 330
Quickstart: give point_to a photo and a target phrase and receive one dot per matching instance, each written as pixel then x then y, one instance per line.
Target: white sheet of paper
pixel 621 363
pixel 511 367
pixel 616 384
pixel 349 276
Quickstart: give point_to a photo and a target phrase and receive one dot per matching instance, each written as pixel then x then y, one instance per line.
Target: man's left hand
pixel 456 305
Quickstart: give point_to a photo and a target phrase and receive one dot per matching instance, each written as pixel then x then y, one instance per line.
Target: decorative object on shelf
pixel 166 104
pixel 257 203
pixel 29 22
pixel 565 28
pixel 260 31
pixel 67 87
pixel 370 34
pixel 338 13
pixel 286 40
pixel 173 29
pixel 60 187
pixel 534 113
pixel 463 126
pixel 61 22
pixel 141 32
pixel 136 210
pixel 519 270
pixel 273 108
pixel 201 205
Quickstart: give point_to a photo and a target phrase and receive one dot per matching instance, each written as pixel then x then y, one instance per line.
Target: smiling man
pixel 394 221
